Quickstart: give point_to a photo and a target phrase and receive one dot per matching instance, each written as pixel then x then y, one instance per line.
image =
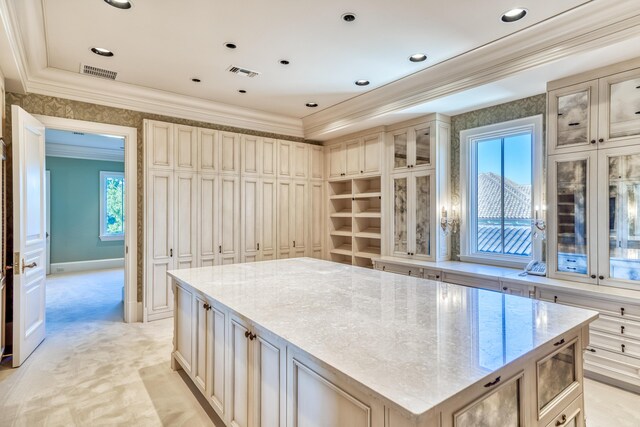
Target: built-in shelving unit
pixel 354 220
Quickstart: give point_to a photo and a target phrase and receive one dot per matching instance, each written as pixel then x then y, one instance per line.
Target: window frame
pixel 104 175
pixel 468 173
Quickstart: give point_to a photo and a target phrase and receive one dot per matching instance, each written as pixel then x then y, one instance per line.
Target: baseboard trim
pixel 96 264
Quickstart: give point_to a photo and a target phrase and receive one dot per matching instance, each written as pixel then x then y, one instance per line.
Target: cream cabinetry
pixel 215 197
pixel 360 155
pixel 597 113
pixel 413 145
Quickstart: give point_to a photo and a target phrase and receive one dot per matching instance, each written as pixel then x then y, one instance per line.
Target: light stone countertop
pixel 413 341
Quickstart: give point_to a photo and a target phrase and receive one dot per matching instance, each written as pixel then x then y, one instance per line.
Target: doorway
pixel 107 242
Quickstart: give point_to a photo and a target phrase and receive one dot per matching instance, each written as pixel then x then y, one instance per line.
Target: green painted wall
pixel 75 207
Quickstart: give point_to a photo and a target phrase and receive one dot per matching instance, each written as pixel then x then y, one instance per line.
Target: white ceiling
pixel 90 140
pixel 162 44
pixel 474 59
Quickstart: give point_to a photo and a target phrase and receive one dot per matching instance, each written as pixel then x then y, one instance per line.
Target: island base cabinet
pixel 183 339
pixel 315 398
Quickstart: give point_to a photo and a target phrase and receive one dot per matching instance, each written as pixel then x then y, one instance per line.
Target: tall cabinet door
pixel 423 215
pixel 229 152
pixel 186 220
pixel 285 208
pixel 208 220
pixel 300 164
pixel 268 367
pixel 250 219
pixel 229 247
pixel 160 151
pixel 268 158
pixel 618 216
pixel 268 219
pixel 353 157
pixel 216 359
pixel 336 160
pixel 371 154
pixel 299 218
pixel 239 363
pixel 159 297
pixel 316 233
pixel 185 142
pixel 572 216
pixel 250 157
pixel 400 216
pixel 285 159
pixel 316 168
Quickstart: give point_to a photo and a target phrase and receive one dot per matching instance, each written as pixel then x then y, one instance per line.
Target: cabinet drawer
pixel 614 365
pixel 400 269
pixel 617 326
pixel 615 344
pixel 605 307
pixel 571 263
pixel 431 274
pixel 572 415
pixel 475 282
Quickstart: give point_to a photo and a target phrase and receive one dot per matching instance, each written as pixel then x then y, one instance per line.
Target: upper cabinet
pixel 258 156
pixel 356 156
pixel 159 145
pixel 317 162
pixel 229 152
pixel 413 147
pixel 598 113
pixel 185 142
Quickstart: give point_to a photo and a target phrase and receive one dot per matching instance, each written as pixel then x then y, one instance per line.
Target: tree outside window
pixel 112 193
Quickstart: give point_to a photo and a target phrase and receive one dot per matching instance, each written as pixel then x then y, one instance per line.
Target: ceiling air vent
pixel 97 72
pixel 242 71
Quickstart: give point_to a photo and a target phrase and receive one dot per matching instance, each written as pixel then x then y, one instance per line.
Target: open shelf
pixel 365 247
pixel 369 252
pixel 342 232
pixel 368 195
pixel 342 250
pixel 371 233
pixel 368 214
pixel 340 196
pixel 367 187
pixel 342 259
pixel 340 188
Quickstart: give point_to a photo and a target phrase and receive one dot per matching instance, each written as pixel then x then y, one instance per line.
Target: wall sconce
pixel 449 225
pixel 539 222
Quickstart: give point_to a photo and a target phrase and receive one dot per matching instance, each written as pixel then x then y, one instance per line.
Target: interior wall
pixel 66 108
pixel 75 210
pixel 526 107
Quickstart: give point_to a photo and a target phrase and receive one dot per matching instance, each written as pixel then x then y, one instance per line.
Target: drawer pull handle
pixel 621 311
pixel 555 298
pixel 571 260
pixel 592 350
pixel 638 112
pixel 384 267
pixel 572 268
pixel 622 329
pixel 409 272
pixel 574 124
pixel 622 346
pixel 560 114
pixel 492 383
pixel 562 420
pixel 559 343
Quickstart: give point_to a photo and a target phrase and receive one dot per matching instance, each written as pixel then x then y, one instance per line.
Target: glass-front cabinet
pixel 620 108
pixel 572 216
pixel 413 147
pixel 412 219
pixel 572 118
pixel 619 214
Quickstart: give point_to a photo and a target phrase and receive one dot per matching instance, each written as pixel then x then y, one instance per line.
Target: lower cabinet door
pixel 183 331
pixel 571 416
pixel 269 390
pixel 239 373
pixel 216 356
pixel 200 334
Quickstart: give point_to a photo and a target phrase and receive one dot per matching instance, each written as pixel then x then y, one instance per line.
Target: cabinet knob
pixel 361 171
pixel 601 277
pixel 246 334
pixel 601 140
pixel 592 350
pixel 621 329
pixel 593 141
pixel 504 288
pixel 593 276
pixel 252 336
pixel 437 276
pixel 206 306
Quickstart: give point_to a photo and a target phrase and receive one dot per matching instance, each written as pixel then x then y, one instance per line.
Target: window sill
pixel 496 260
pixel 111 238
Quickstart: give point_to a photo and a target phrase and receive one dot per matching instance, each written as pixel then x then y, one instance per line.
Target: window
pixel 111 205
pixel 501 183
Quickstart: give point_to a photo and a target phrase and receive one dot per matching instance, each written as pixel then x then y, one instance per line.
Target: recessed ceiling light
pixel 120 4
pixel 417 57
pixel 230 45
pixel 101 51
pixel 284 62
pixel 349 17
pixel 242 91
pixel 514 15
pixel 195 80
pixel 362 82
pixel 311 104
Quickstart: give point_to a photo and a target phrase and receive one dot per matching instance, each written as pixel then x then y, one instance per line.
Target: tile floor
pixel 93 369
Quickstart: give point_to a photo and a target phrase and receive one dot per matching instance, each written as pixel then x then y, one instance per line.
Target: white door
pixel 29 241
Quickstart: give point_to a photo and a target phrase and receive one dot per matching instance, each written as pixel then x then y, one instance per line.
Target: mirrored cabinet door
pixel 423 146
pixel 502 407
pixel 400 149
pixel 400 218
pixel 572 216
pixel 620 108
pixel 423 189
pixel 620 216
pixel 572 118
pixel 556 373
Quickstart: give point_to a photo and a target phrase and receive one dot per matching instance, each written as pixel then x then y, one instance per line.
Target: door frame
pixel 132 309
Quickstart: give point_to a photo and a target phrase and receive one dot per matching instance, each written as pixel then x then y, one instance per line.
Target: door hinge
pixel 16 263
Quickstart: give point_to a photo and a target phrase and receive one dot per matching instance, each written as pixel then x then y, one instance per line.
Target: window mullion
pixel 502 194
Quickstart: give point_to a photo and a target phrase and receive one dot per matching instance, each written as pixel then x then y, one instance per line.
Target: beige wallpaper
pixel 525 107
pixel 60 107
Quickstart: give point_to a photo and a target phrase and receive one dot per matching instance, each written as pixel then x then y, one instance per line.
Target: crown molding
pixel 79 152
pixel 592 25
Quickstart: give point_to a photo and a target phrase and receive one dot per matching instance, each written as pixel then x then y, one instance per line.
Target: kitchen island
pixel 304 342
